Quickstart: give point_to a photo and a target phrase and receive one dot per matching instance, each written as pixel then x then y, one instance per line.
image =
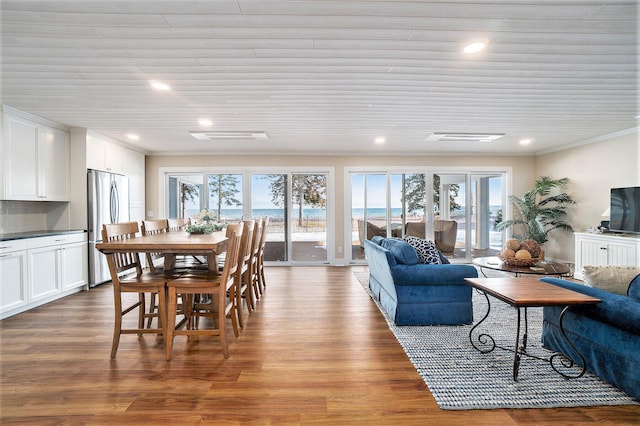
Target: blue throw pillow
pixel 377 239
pixel 401 250
pixel 426 249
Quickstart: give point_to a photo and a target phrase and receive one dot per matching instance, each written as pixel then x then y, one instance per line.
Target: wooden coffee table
pixel 541 268
pixel 522 293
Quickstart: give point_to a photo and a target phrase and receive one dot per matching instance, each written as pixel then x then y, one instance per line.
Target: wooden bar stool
pixel 138 281
pixel 211 283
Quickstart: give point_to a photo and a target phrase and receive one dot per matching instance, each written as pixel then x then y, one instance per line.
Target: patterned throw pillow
pixel 426 249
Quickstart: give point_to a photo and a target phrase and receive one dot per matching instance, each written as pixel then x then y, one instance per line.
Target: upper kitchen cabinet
pixel 35 156
pixel 106 155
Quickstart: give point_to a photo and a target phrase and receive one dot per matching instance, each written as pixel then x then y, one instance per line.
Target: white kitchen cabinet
pixel 74 257
pixel 13 275
pixel 56 264
pixel 44 272
pixel 35 160
pixel 605 250
pixel 53 158
pixel 41 269
pixel 107 155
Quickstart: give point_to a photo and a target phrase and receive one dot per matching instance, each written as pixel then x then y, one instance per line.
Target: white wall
pixel 592 170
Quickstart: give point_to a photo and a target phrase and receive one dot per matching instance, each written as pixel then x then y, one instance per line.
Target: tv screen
pixel 625 210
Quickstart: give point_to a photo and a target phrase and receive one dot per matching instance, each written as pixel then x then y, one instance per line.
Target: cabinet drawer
pixel 56 240
pixel 12 245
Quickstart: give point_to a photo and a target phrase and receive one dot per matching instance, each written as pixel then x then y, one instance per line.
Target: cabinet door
pixel 589 252
pixel 44 272
pixel 13 280
pixel 74 265
pixel 54 165
pixel 95 153
pixel 20 148
pixel 115 158
pixel 621 254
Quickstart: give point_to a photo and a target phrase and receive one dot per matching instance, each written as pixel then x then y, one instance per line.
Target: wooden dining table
pixel 172 244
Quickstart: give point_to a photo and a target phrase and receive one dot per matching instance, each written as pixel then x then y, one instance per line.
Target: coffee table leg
pixel 483 338
pixel 565 361
pixel 516 350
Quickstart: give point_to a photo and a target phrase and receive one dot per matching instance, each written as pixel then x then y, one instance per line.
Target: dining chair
pixel 183 261
pixel 242 289
pixel 178 224
pixel 252 292
pixel 150 227
pixel 136 280
pixel 218 286
pixel 239 290
pixel 263 242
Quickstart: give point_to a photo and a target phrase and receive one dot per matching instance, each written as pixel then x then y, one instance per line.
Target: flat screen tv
pixel 625 210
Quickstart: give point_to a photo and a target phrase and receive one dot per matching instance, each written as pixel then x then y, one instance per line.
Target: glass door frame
pixel 428 171
pixel 247 206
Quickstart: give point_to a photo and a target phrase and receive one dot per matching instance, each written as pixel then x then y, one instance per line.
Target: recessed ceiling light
pixel 525 141
pixel 132 136
pixel 476 46
pixel 158 85
pixel 205 122
pixel 380 140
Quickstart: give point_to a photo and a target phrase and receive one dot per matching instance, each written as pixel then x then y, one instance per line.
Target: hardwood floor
pixel 316 351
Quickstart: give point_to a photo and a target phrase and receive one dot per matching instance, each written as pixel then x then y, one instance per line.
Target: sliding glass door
pixel 457 210
pixel 296 204
pixel 185 195
pixel 488 206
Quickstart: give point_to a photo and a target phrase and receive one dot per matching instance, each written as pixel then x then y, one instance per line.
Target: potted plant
pixel 205 223
pixel 541 210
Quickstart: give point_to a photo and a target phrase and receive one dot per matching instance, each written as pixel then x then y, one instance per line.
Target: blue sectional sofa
pixel 607 334
pixel 413 293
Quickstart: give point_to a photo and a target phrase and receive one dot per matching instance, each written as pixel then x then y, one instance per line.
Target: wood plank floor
pixel 316 351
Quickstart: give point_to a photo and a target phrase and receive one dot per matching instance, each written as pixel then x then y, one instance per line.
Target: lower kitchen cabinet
pixel 44 269
pixel 13 275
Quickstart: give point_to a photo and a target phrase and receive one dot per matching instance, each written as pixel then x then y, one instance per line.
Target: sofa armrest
pixel 618 311
pixel 427 274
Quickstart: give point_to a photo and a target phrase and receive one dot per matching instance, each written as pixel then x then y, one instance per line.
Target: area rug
pixel 461 378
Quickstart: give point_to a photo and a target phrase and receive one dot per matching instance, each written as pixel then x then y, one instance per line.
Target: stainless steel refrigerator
pixel 108 198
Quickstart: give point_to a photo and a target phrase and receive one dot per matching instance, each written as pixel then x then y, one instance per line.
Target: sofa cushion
pixel 615 279
pixel 427 251
pixel 616 310
pixel 403 252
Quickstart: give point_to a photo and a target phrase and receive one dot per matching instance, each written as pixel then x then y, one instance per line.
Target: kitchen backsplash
pixel 26 216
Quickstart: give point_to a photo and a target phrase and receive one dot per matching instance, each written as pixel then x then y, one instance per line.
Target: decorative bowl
pixel 512 261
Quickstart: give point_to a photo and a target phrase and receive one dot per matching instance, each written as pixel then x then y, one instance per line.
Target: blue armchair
pixel 413 293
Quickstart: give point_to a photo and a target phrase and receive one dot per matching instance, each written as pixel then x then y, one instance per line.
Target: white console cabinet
pixel 604 250
pixel 35 159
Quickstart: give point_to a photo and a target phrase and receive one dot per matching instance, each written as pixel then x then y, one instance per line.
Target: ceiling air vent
pixel 462 137
pixel 229 134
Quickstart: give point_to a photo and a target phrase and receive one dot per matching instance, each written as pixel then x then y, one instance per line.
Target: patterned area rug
pixel 461 378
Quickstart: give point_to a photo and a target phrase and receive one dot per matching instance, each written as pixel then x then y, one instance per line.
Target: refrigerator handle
pixel 115 203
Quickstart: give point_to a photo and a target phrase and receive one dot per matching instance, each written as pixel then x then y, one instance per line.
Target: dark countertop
pixel 34 234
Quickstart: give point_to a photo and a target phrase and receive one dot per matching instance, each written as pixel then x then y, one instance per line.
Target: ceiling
pixel 327 77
